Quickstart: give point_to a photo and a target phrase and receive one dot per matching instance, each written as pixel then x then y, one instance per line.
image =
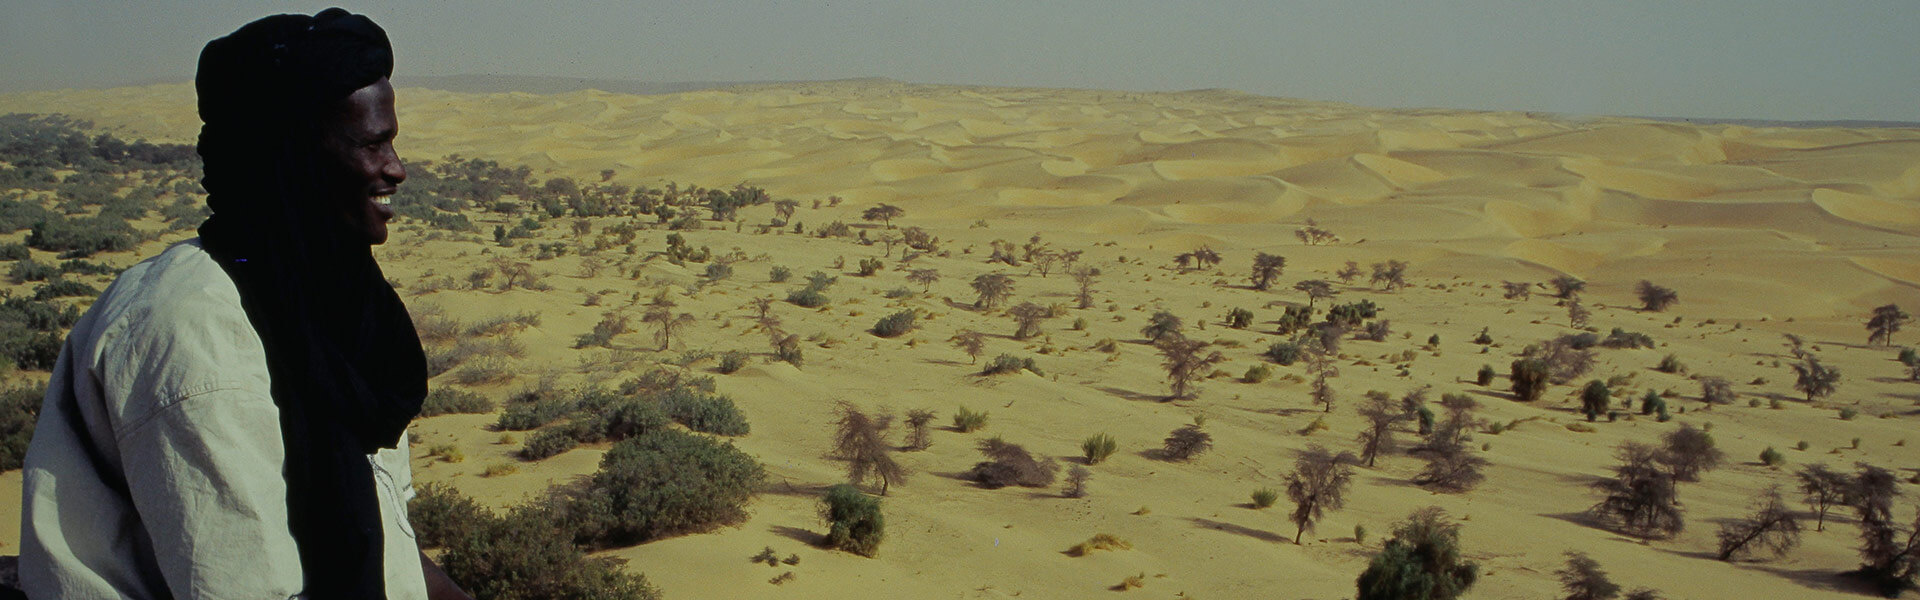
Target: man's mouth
pixel 383 200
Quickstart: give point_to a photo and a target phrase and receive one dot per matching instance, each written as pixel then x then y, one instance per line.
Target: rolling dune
pixel 1762 231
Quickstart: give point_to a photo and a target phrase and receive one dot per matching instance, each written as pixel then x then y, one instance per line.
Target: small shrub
pixel 1009 464
pixel 441 515
pixel 1284 353
pixel 1098 447
pixel 1256 374
pixel 549 442
pixel 1076 486
pixel 14 252
pixel 1008 363
pixel 1265 497
pixel 731 362
pixel 447 452
pixel 895 324
pixel 27 270
pixel 704 413
pixel 446 401
pixel 1186 442
pixel 1848 413
pixel 1100 541
pixel 968 421
pixel 854 522
pixel 1670 364
pixel 779 274
pixel 500 469
pixel 1772 458
pixel 527 416
pixel 807 297
pixel 664 482
pixel 1239 318
pixel 19 410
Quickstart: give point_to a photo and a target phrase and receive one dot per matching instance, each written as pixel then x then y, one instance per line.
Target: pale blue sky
pixel 1765 59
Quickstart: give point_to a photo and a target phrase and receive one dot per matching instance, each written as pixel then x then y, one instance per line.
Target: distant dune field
pixel 1762 231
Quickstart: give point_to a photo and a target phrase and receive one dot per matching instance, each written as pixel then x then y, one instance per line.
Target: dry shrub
pixel 1099 541
pixel 1009 464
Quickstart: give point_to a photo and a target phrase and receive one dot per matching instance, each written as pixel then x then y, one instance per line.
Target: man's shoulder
pixel 182 287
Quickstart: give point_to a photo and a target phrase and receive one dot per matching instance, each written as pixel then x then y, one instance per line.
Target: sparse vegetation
pixel 1771 527
pixel 1641 498
pixel 1098 447
pixel 1186 442
pixel 967 421
pixel 1009 464
pixel 1654 298
pixel 860 440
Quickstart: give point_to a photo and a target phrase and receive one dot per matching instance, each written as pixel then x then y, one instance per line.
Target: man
pixel 228 419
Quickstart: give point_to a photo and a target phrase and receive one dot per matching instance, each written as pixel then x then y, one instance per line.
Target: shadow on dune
pixel 797 534
pixel 1129 394
pixel 1826 581
pixel 1258 534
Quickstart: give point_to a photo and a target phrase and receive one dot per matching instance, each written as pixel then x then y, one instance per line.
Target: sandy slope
pixel 1762 231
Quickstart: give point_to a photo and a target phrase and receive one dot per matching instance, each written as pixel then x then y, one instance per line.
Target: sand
pixel 1762 231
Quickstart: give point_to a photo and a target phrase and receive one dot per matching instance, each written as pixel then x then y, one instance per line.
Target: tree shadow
pixel 1130 394
pixel 1826 581
pixel 810 538
pixel 1590 521
pixel 796 490
pixel 1258 534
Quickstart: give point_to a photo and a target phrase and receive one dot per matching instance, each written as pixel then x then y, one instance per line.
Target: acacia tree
pixel 1577 314
pixel 861 441
pixel 1892 553
pixel 1320 364
pixel 885 213
pixel 1266 268
pixel 1027 316
pixel 1771 527
pixel 972 342
pixel 1348 272
pixel 1315 289
pixel 1452 466
pixel 919 433
pixel 1422 560
pixel 1161 325
pixel 1083 277
pixel 669 324
pixel 925 277
pixel 1380 413
pixel 1185 363
pixel 1814 379
pixel 1823 489
pixel 993 288
pixel 1687 451
pixel 1317 484
pixel 1517 290
pixel 1654 298
pixel 1641 497
pixel 1391 275
pixel 1885 321
pixel 1567 287
pixel 783 211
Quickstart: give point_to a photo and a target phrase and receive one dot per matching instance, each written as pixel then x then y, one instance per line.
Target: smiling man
pixel 228 419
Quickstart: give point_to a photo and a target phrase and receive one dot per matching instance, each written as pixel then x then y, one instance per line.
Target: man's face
pixel 360 169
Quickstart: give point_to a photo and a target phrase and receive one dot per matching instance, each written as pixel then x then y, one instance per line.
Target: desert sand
pixel 1762 231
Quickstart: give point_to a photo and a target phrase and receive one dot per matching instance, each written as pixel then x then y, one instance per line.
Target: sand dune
pixel 1763 231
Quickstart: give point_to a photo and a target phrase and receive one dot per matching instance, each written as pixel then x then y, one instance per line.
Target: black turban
pixel 347 369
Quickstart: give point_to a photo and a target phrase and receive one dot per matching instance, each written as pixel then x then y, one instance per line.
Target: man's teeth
pixel 383 200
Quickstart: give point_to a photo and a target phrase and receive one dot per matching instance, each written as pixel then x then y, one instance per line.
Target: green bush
pixel 807 297
pixel 704 413
pixel 895 324
pixel 1529 377
pixel 1285 353
pixel 665 482
pixel 549 441
pixel 779 274
pixel 1772 458
pixel 731 362
pixel 1257 374
pixel 19 409
pixel 26 270
pixel 1485 377
pixel 441 515
pixel 1594 399
pixel 1008 363
pixel 1670 364
pixel 63 288
pixel 854 520
pixel 14 252
pixel 968 421
pixel 447 401
pixel 83 237
pixel 1848 413
pixel 1239 318
pixel 527 555
pixel 530 415
pixel 1098 447
pixel 1265 497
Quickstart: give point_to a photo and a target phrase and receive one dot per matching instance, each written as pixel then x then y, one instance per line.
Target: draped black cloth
pixel 347 369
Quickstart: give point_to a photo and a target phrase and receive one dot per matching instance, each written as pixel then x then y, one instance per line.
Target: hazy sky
pixel 1836 59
